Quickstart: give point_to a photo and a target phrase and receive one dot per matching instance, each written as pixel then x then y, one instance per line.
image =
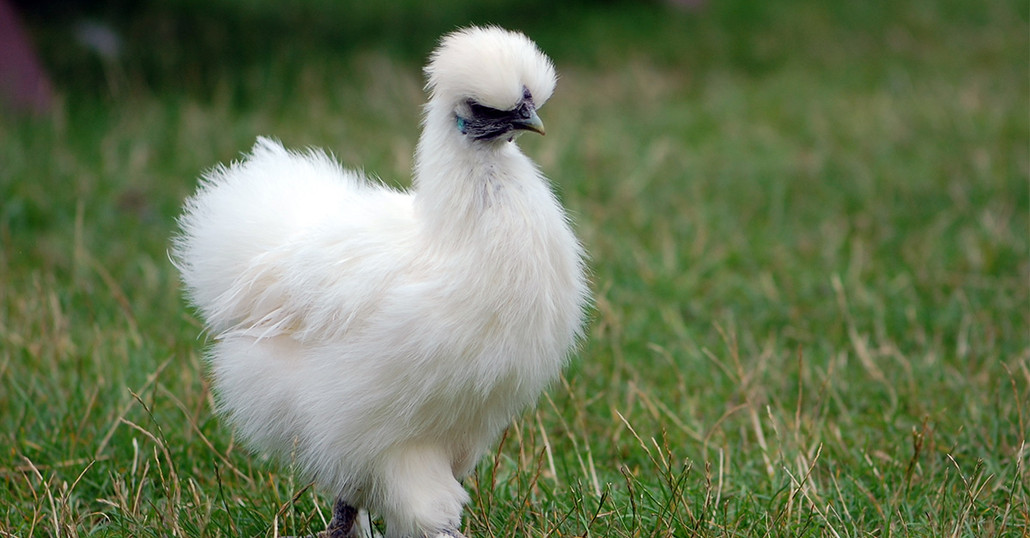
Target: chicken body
pixel 380 339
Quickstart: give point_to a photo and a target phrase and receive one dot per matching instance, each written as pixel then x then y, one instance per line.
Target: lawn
pixel 809 232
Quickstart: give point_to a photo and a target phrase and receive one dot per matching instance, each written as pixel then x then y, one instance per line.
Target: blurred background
pixel 807 220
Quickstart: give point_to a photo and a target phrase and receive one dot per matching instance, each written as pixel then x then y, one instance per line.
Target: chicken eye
pixel 485 112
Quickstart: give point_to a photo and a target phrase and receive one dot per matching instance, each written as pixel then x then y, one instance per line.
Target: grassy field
pixel 808 225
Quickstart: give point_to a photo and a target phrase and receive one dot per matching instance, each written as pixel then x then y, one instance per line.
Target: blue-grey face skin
pixel 484 123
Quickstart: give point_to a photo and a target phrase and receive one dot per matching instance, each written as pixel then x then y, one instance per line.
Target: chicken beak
pixel 532 123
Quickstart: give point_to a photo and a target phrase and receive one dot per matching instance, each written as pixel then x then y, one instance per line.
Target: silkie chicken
pixel 381 340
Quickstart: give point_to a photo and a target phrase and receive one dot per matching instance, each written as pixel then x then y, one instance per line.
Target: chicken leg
pixel 345 524
pixel 342 525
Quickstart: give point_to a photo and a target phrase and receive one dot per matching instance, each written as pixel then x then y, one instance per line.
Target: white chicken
pixel 381 340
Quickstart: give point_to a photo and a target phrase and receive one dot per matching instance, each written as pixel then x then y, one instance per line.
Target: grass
pixel 808 225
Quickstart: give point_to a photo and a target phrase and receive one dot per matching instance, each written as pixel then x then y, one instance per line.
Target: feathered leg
pixel 418 494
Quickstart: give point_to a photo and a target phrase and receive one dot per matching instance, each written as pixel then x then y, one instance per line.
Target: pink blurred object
pixel 24 85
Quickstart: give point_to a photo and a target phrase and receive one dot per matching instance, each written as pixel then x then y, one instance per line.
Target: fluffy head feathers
pixel 491 66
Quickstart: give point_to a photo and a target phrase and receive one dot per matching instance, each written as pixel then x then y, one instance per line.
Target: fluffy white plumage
pixel 382 339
